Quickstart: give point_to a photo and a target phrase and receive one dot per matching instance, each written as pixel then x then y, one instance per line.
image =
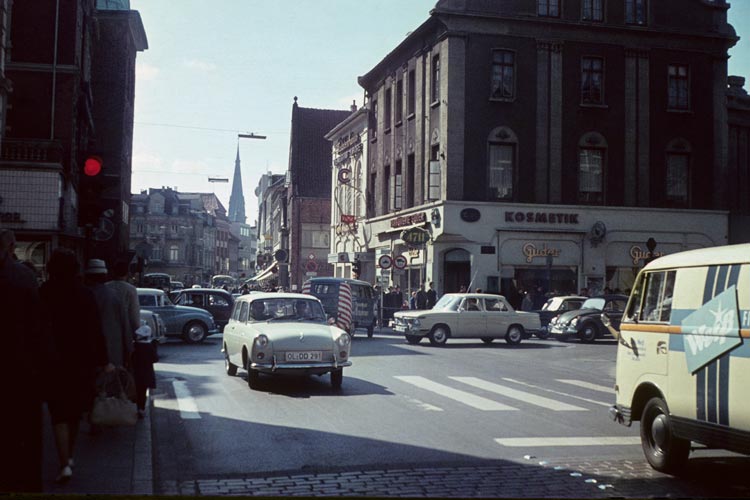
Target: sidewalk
pixel 117 461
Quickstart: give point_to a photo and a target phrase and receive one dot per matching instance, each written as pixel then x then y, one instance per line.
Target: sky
pixel 216 69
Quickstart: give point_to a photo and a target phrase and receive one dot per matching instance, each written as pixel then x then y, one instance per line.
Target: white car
pixel 467 315
pixel 284 334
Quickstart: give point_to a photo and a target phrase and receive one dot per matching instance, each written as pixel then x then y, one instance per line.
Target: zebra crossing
pixel 515 394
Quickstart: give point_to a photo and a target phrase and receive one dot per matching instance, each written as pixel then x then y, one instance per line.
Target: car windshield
pixel 595 303
pixel 553 304
pixel 447 303
pixel 288 309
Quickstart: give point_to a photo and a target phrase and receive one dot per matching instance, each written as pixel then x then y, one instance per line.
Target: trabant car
pixel 284 334
pixel 467 315
pixel 585 323
pixel 214 300
pixel 193 325
pixel 554 307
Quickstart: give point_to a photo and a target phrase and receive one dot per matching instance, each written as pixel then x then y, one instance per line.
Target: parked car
pixel 214 300
pixel 154 321
pixel 284 334
pixel 586 323
pixel 467 315
pixel 190 323
pixel 554 307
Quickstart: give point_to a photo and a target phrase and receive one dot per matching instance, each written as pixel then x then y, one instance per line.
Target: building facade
pixel 525 144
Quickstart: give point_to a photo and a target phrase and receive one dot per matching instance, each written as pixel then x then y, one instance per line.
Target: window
pixel 503 74
pixel 397 188
pixel 399 101
pixel 435 95
pixel 410 174
pixel 679 87
pixel 411 93
pixel 635 12
pixel 677 179
pixel 548 8
pixel 388 103
pixel 593 10
pixel 174 253
pixel 657 297
pixel 386 199
pixel 374 117
pixel 433 180
pixel 590 175
pixel 501 164
pixel 592 80
pixel 156 253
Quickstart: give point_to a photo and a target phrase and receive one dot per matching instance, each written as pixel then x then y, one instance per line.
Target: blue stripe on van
pixel 708 288
pixel 700 395
pixel 724 389
pixel 711 390
pixel 721 281
pixel 703 376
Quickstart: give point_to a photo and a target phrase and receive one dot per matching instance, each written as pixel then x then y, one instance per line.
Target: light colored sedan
pixel 284 334
pixel 467 315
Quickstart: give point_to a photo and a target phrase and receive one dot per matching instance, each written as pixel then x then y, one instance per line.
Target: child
pixel 144 357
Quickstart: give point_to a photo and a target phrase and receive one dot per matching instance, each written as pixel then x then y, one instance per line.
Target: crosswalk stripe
pixel 568 441
pixel 466 398
pixel 188 408
pixel 587 385
pixel 519 395
pixel 525 384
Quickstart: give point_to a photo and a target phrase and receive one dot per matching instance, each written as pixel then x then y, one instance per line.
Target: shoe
pixel 65 474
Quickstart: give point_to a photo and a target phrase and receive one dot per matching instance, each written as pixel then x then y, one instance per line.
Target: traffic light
pixel 90 187
pixel 356 268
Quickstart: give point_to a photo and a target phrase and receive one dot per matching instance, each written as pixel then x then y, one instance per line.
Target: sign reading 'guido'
pixel 541 217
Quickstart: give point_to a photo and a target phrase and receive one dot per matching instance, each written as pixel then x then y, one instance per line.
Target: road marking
pixel 587 385
pixel 526 397
pixel 466 398
pixel 185 401
pixel 593 401
pixel 423 405
pixel 568 441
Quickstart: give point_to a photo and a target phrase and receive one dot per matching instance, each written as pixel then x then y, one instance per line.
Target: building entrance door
pixel 456 270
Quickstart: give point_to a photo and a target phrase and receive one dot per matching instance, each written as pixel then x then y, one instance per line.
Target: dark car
pixel 586 323
pixel 214 300
pixel 554 307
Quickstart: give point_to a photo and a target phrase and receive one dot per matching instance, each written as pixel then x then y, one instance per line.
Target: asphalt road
pixel 540 406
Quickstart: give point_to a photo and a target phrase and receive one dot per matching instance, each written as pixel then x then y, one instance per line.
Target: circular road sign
pixel 311 266
pixel 385 261
pixel 399 262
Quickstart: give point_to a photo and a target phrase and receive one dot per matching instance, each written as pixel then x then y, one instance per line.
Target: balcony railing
pixel 31 150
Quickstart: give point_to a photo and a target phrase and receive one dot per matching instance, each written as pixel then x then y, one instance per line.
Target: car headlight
pixel 415 322
pixel 261 341
pixel 553 321
pixel 574 322
pixel 343 340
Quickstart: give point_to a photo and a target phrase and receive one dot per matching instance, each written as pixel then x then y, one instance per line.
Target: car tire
pixel 487 340
pixel 413 339
pixel 194 332
pixel 229 367
pixel 439 335
pixel 371 330
pixel 253 378
pixel 514 335
pixel 337 378
pixel 664 451
pixel 588 333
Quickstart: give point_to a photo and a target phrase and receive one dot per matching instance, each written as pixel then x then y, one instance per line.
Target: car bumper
pixel 299 368
pixel 621 414
pixel 562 333
pixel 409 330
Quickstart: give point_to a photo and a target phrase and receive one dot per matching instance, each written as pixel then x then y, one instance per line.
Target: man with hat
pixel 115 323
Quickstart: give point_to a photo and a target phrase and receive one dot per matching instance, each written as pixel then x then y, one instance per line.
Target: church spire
pixel 236 199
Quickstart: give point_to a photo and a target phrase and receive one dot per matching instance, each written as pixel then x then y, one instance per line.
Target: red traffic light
pixel 92 166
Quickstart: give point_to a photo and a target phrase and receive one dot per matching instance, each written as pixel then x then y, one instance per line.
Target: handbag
pixel 127 382
pixel 115 409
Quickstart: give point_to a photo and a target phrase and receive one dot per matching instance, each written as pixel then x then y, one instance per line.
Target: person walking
pixel 422 299
pixel 144 356
pixel 431 296
pixel 21 422
pixel 127 294
pixel 78 349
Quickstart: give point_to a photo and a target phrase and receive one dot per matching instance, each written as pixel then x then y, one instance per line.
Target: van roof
pixel 728 254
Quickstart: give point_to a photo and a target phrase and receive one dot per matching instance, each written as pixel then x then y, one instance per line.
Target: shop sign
pixel 348 219
pixel 530 251
pixel 348 141
pixel 344 176
pixel 638 254
pixel 542 217
pixel 408 220
pixel 470 215
pixel 415 236
pixel 414 252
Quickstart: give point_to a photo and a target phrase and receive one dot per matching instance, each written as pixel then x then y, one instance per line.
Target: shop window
pixel 592 80
pixel 503 75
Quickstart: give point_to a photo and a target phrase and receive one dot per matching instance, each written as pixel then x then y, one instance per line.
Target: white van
pixel 683 364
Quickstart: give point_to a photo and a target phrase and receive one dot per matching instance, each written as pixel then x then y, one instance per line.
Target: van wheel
pixel 588 333
pixel 664 451
pixel 230 367
pixel 439 335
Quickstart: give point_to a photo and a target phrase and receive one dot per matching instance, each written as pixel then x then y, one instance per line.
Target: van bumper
pixel 621 415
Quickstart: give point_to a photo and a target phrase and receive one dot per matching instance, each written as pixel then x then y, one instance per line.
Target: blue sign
pixel 712 330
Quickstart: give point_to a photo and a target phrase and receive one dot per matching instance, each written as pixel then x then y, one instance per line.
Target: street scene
pixel 435 248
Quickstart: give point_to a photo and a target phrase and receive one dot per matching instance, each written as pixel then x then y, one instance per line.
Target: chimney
pixel 353 107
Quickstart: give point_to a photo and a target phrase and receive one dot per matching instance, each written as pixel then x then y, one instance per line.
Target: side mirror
pixel 606 321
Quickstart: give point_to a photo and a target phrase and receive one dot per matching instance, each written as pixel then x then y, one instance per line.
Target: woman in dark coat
pixel 78 349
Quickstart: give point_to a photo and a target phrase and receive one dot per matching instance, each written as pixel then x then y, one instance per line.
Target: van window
pixel 319 289
pixel 657 296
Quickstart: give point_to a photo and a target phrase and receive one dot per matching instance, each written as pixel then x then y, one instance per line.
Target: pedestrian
pixel 115 324
pixel 144 356
pixel 398 301
pixel 388 305
pixel 463 289
pixel 422 299
pixel 527 304
pixel 20 380
pixel 413 301
pixel 78 349
pixel 127 294
pixel 431 296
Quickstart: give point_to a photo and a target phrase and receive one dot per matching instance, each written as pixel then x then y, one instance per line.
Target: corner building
pixel 544 142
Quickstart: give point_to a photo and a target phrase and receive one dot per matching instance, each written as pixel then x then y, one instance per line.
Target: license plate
pixel 304 356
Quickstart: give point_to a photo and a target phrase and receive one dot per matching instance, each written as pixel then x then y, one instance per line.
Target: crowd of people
pixel 67 337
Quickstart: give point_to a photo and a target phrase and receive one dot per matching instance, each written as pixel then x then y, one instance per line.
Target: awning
pixel 264 275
